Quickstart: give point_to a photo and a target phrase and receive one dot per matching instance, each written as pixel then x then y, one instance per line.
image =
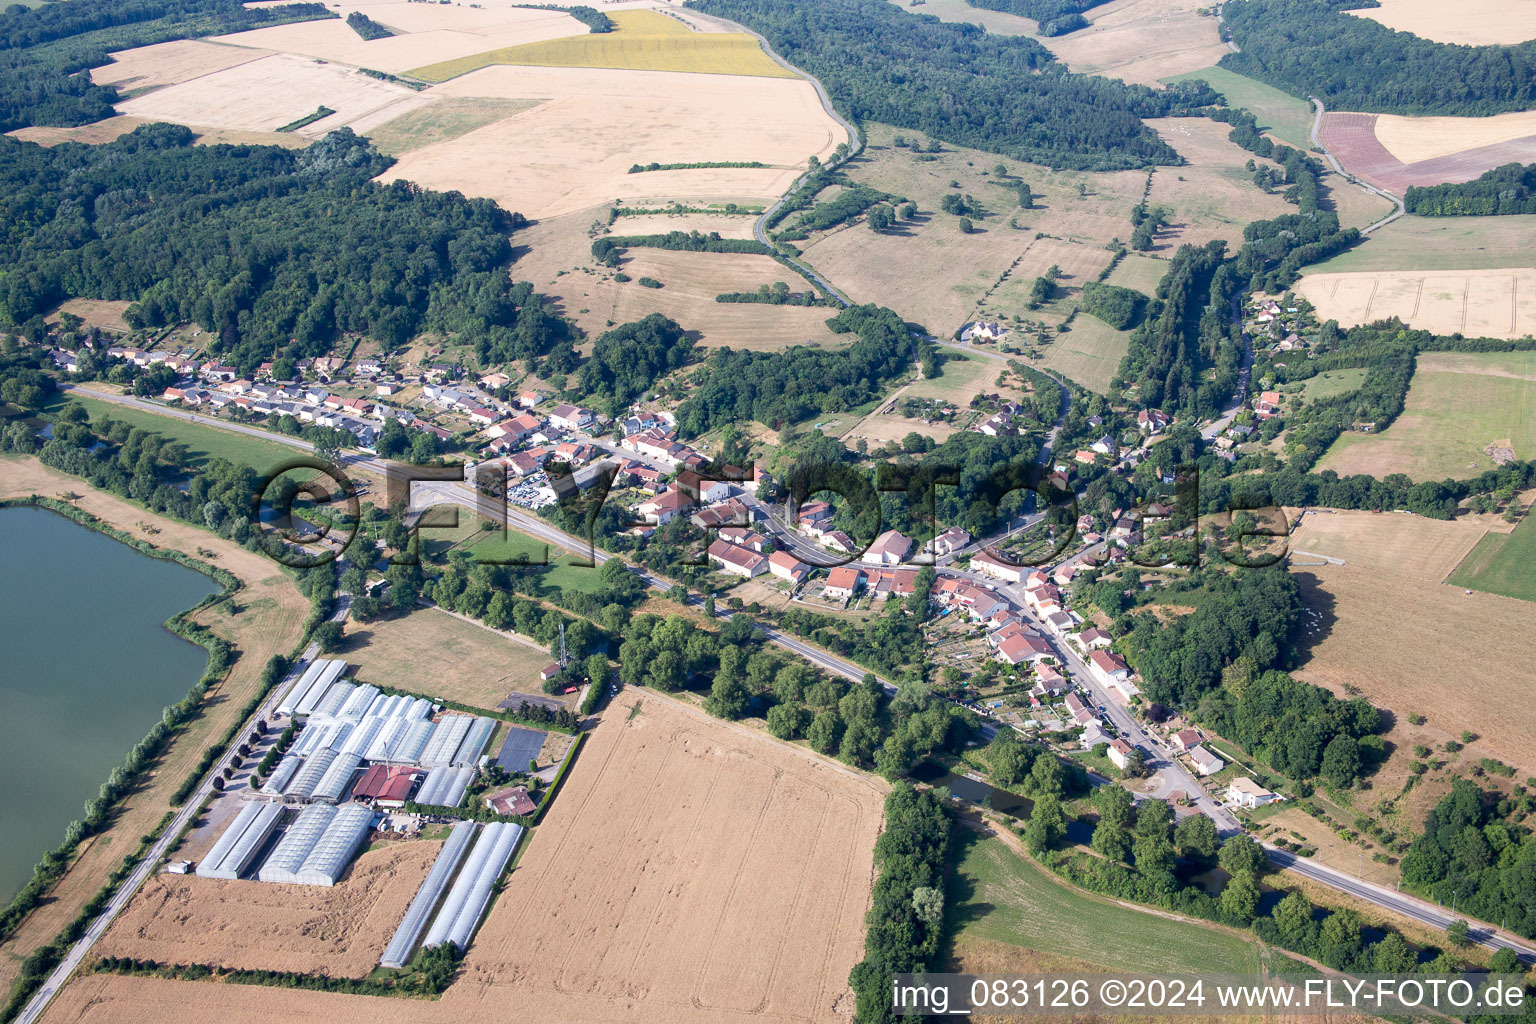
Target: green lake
pixel 88 667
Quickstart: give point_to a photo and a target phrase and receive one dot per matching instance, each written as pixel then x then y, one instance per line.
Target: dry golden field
pixel 425 33
pixel 1141 41
pixel 727 225
pixel 1477 303
pixel 1426 549
pixel 1214 196
pixel 691 871
pixel 1412 139
pixel 575 150
pixel 113 127
pixel 434 653
pixel 149 67
pixel 271 92
pixel 559 263
pixel 642 40
pixel 100 312
pixel 339 930
pixel 270 613
pixel 1415 645
pixel 1473 23
pixel 931 272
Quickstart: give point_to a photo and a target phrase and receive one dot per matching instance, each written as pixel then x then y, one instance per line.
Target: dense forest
pixel 273 251
pixel 1504 190
pixel 629 359
pixel 1168 358
pixel 1055 17
pixel 1116 306
pixel 1314 48
pixel 1005 94
pixel 46 50
pixel 1472 851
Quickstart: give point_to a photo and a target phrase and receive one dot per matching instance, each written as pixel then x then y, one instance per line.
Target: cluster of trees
pixel 44 49
pixel 891 643
pixel 1055 17
pixel 1469 851
pixel 655 166
pixel 848 204
pixel 906 916
pixel 1389 365
pixel 1116 306
pixel 1182 339
pixel 956 82
pixel 1509 189
pixel 267 249
pixel 607 251
pixel 778 388
pixel 595 20
pixel 1145 224
pixel 629 359
pixel 366 27
pixel 777 294
pixel 1313 48
pixel 1014 764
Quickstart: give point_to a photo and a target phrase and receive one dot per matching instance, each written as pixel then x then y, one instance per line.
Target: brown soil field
pixel 1473 23
pixel 339 931
pixel 575 150
pixel 181 60
pixel 1381 630
pixel 1355 140
pixel 1412 139
pixel 1141 41
pixel 692 871
pixel 270 612
pixel 1477 303
pixel 266 94
pixel 425 33
pixel 1426 549
pixel 559 264
pixel 431 652
pixel 932 273
pixel 1213 197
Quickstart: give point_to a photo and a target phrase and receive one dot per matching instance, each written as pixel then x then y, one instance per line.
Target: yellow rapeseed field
pixel 643 41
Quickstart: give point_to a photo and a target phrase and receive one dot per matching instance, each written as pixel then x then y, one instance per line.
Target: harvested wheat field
pixel 268 621
pixel 1471 23
pixel 266 94
pixel 95 133
pixel 726 225
pixel 148 67
pixel 691 871
pixel 1426 549
pixel 1412 645
pixel 575 150
pixel 1477 303
pixel 339 931
pixel 1141 41
pixel 1214 197
pixel 1356 140
pixel 424 33
pixel 1412 139
pixel 442 120
pixel 642 40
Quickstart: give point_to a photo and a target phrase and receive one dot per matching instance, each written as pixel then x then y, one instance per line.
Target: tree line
pixel 272 251
pixel 956 82
pixel 366 27
pixel 1510 189
pixel 1055 17
pixel 1313 48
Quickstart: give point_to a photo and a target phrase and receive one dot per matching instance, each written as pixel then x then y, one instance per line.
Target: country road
pixel 1173 775
pixel 1317 125
pixel 172 835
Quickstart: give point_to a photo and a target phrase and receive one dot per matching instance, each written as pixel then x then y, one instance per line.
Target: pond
pixel 88 668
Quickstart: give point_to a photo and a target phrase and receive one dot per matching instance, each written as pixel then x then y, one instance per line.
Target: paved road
pixel 1174 776
pixel 172 834
pixel 1398 902
pixel 1317 124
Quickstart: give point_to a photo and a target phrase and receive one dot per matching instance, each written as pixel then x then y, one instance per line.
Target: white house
pixel 787 566
pixel 1111 670
pixel 991 565
pixel 950 541
pixel 1119 753
pixel 740 561
pixel 1205 762
pixel 665 507
pixel 1244 792
pixel 890 548
pixel 570 417
pixel 844 581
